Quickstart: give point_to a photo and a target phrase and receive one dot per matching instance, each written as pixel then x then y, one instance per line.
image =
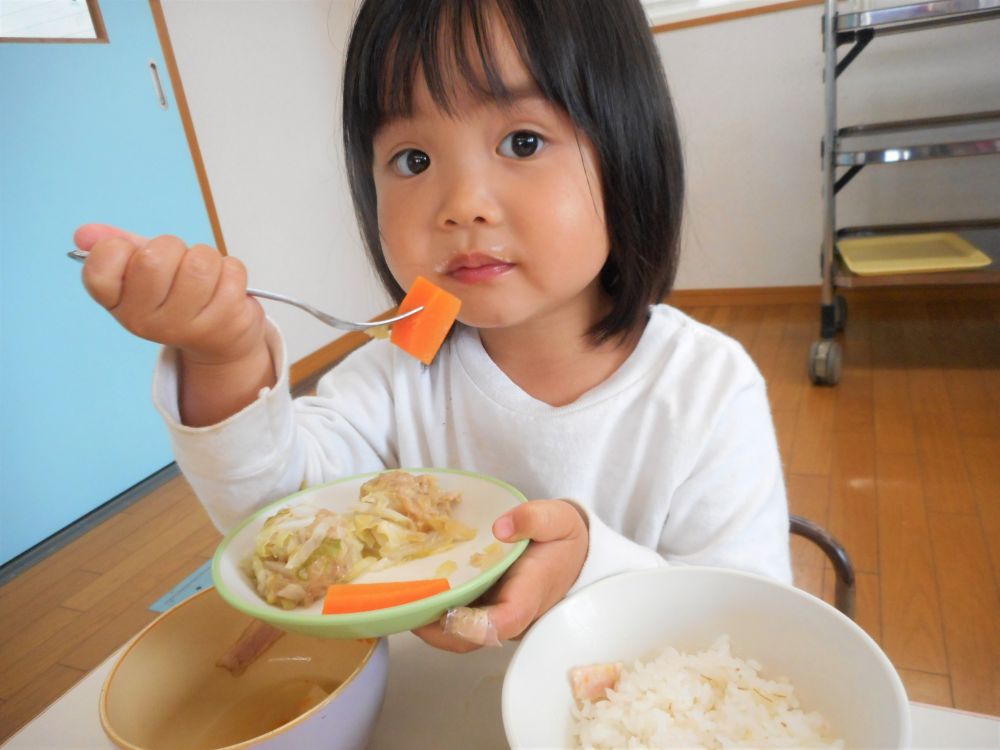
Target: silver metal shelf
pixel 975 134
pixel 850 150
pixel 917 16
pixel 986 230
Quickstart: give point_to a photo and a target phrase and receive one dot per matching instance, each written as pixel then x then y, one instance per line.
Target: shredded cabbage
pixel 302 550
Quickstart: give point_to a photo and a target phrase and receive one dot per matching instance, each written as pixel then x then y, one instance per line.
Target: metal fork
pixel 344 325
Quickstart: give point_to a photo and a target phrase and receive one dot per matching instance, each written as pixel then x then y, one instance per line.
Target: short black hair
pixel 593 58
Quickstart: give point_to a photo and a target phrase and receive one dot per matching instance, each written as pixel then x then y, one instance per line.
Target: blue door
pixel 84 136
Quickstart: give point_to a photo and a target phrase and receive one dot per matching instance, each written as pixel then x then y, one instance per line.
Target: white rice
pixel 710 699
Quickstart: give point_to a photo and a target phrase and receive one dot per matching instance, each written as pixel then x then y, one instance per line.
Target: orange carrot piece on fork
pixel 422 334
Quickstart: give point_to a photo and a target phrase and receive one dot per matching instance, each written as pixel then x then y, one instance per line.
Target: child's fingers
pixel 540 521
pixel 194 283
pixel 520 601
pixel 539 578
pixel 88 235
pixel 231 323
pixel 473 624
pixel 232 287
pixel 230 294
pixel 104 271
pixel 434 635
pixel 526 593
pixel 148 278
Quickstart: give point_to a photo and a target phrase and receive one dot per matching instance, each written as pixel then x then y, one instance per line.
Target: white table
pixel 459 708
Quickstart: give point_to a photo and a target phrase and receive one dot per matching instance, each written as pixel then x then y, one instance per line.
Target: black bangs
pixel 448 42
pixel 452 47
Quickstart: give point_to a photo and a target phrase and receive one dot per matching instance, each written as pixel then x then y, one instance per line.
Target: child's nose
pixel 469 201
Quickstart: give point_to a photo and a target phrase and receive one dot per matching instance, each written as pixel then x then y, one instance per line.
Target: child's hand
pixel 533 584
pixel 192 298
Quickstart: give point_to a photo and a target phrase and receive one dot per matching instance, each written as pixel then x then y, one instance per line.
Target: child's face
pixel 502 206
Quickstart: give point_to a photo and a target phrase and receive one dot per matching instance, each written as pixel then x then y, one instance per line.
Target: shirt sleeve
pixel 276 445
pixel 732 511
pixel 611 553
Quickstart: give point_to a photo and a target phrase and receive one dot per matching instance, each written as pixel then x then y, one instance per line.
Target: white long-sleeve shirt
pixel 673 458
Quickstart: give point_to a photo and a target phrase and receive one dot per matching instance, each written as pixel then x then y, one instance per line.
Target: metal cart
pixel 851 149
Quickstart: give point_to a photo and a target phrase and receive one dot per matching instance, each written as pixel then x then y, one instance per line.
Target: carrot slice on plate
pixel 342 598
pixel 422 334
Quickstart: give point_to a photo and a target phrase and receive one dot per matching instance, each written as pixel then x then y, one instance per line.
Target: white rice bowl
pixel 796 641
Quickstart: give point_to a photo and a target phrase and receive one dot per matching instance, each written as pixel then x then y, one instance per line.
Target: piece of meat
pixel 417 497
pixel 253 641
pixel 592 682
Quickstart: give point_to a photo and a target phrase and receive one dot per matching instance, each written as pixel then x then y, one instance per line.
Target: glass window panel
pixel 24 20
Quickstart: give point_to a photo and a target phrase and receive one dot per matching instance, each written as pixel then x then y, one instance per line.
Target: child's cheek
pixel 392 261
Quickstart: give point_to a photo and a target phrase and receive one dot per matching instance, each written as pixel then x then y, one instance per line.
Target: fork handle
pixel 276 297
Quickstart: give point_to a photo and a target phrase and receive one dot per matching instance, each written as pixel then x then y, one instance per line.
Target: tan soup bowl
pixel 166 692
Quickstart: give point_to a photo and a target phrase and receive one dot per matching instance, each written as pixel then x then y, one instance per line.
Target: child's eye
pixel 521 144
pixel 411 162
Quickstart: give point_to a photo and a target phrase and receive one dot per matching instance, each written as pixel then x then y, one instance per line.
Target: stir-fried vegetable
pixel 302 550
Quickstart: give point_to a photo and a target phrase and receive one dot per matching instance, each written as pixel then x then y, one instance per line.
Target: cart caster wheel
pixel 840 313
pixel 824 362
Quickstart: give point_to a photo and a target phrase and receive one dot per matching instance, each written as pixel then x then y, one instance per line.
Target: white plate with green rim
pixel 484 499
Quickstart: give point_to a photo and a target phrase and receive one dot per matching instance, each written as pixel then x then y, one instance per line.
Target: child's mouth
pixel 475 267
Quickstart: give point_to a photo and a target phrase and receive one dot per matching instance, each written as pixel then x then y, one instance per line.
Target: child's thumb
pixel 540 521
pixel 89 235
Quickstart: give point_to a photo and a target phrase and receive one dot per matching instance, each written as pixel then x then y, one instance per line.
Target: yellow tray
pixel 910 253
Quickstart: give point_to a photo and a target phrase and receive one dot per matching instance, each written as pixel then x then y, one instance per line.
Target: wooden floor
pixel 901 461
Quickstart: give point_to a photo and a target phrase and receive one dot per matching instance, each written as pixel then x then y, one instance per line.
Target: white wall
pixel 749 95
pixel 263 81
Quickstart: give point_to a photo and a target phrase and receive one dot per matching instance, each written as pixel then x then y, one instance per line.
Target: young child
pixel 523 155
